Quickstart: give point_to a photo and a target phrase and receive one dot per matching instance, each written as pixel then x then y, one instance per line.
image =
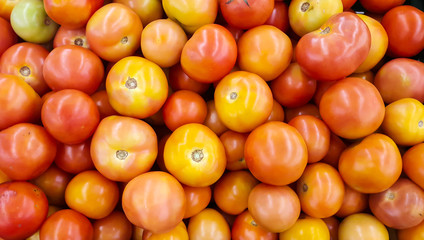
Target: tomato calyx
pixel 245 1
pixel 121 154
pixel 305 7
pixel 25 71
pixel 197 155
pixel 131 83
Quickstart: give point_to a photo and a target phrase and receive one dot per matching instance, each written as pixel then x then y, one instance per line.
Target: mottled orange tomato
pixel 147 10
pixel 413 164
pixel 209 224
pixel 113 227
pixel 197 199
pixel 245 228
pixel 353 202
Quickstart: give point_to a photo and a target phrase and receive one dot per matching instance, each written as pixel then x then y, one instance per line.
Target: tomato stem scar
pixel 121 154
pixel 25 71
pixel 131 83
pixel 197 155
pixel 305 187
pixel 124 40
pixel 326 30
pixel 79 42
pixel 305 6
pixel 233 95
pixel 420 123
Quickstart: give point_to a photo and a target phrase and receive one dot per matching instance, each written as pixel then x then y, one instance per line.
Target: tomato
pixel 23 103
pixel 333 226
pixel 71 14
pixel 352 108
pixel 275 208
pixel 404 26
pixel 413 164
pixel 372 165
pixel 137 233
pixel 368 75
pixel 319 52
pixel 30 22
pixel 277 113
pixel 66 224
pixel 6 8
pixel 213 46
pixel 123 148
pixel 243 101
pixel 400 78
pixel 234 149
pixel 401 206
pixel 74 158
pixel 308 16
pixel 113 227
pixel 53 182
pixel 195 155
pixel 197 199
pixel 353 202
pixel 232 191
pixel 377 6
pixel 4 178
pixel 316 135
pixel 162 42
pixel 178 80
pixel 362 226
pixel 335 150
pixel 379 43
pixel 67 36
pixel 245 228
pixel 212 120
pixel 26 61
pixel 347 4
pixel 279 17
pixel 23 208
pixel 136 87
pixel 101 99
pixel 207 225
pixel 191 14
pixel 404 120
pixel 154 201
pixel 177 233
pixel 246 14
pixel 147 10
pixel 114 31
pixel 276 153
pixel 160 162
pixel 70 116
pixel 8 36
pixel 73 67
pixel 184 107
pixel 308 228
pixel 307 109
pixel 413 233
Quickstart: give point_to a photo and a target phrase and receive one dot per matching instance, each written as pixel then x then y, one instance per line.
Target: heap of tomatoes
pixel 211 119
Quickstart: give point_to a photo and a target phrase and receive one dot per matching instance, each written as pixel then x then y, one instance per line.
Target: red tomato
pixel 70 116
pixel 336 49
pixel 405 30
pixel 67 36
pixel 246 14
pixel 209 224
pixel 378 6
pixel 209 54
pixel 353 202
pixel 279 17
pixel 276 153
pixel 113 227
pixel 197 199
pixel 235 31
pixel 7 34
pixel 275 208
pixel 74 158
pixel 372 165
pixel 66 224
pixel 23 103
pixel 245 228
pixel 413 233
pixel 26 151
pixel 26 60
pixel 73 67
pixel 336 148
pixel 71 14
pixel 213 121
pixel 154 201
pixel 114 32
pixel 178 80
pixel 401 206
pixel 413 164
pixel 23 208
pixel 352 108
pixel 322 87
pixel 234 149
pixel 101 99
pixel 184 107
pixel 123 148
pixel 333 226
pixel 307 109
pixel 347 4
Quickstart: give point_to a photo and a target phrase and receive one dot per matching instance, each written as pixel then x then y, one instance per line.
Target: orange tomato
pixel 213 121
pixel 336 148
pixel 307 228
pixel 177 233
pixel 277 113
pixel 209 224
pixel 195 155
pixel 178 80
pixel 234 149
pixel 413 233
pixel 74 158
pixel 197 199
pixel 368 75
pixel 113 227
pixel 353 202
pixel 307 109
pixel 413 164
pixel 362 226
pixel 6 8
pixel 66 36
pixel 147 10
pixel 245 228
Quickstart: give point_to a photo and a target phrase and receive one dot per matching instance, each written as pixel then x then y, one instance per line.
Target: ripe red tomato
pixel 234 149
pixel 209 224
pixel 23 208
pixel 67 36
pixel 307 109
pixel 9 37
pixel 347 4
pixel 101 99
pixel 276 153
pixel 178 80
pixel 404 26
pixel 246 14
pixel 113 227
pixel 70 116
pixel 209 54
pixel 197 199
pixel 74 158
pixel 245 228
pixel 123 148
pixel 213 121
pixel 154 201
pixel 378 6
pixel 66 224
pixel 319 52
pixel 336 148
pixel 277 113
pixel 279 16
pixel 353 202
pixel 73 67
pixel 413 164
pixel 333 226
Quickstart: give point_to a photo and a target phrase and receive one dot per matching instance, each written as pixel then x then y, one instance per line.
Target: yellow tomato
pixel 177 233
pixel 195 155
pixel 308 228
pixel 362 226
pixel 209 224
pixel 147 10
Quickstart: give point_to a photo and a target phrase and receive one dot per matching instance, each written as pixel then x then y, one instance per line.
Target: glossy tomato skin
pixel 371 166
pixel 9 37
pixel 245 228
pixel 362 226
pixel 336 148
pixel 234 149
pixel 154 201
pixel 413 164
pixel 123 148
pixel 209 224
pixel 279 16
pixel 26 61
pixel 112 41
pixel 70 116
pixel 307 228
pixel 23 103
pixel 352 108
pixel 177 233
pixel 178 80
pixel 212 120
pixel 246 14
pixel 147 10
pixel 114 227
pixel 73 67
pixel 67 36
pixel 272 166
pixel 377 6
pixel 213 46
pixel 277 113
pixel 23 208
pixel 101 99
pixel 333 226
pixel 404 26
pixel 197 199
pixel 307 109
pixel 66 224
pixel 74 158
pixel 353 202
pixel 336 49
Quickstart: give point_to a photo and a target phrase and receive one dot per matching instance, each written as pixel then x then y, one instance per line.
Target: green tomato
pixel 30 21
